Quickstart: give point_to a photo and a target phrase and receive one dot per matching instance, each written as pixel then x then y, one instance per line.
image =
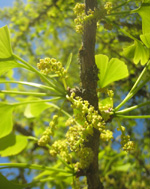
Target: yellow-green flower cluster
pixel 108 7
pixel 85 155
pixel 81 18
pixel 51 65
pixel 75 138
pixel 90 16
pixel 61 147
pixel 106 135
pixel 110 93
pixel 127 145
pixel 79 10
pixel 81 125
pixel 45 139
pixel 86 114
pixel 85 119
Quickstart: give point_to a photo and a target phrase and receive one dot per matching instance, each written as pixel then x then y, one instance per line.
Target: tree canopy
pixel 75 94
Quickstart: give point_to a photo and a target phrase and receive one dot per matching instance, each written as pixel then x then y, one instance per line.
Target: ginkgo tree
pixel 74 133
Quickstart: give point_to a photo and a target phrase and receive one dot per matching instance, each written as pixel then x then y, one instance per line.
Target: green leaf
pixel 110 71
pixel 142 53
pixel 69 61
pixel 5 47
pixel 12 144
pixel 44 173
pixel 101 154
pixel 146 39
pixel 137 52
pixel 53 175
pixel 124 168
pixel 144 12
pixel 129 51
pixel 4 183
pixel 27 83
pixel 6 124
pixel 7 60
pixel 7 64
pixel 34 110
pixel 106 102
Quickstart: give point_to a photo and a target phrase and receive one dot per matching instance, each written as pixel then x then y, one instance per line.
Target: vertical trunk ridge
pixel 89 84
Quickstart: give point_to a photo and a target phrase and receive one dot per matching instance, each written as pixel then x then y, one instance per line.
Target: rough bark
pixel 89 84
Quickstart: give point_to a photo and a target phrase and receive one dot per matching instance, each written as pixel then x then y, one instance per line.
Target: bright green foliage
pixel 107 102
pixel 34 110
pixel 137 52
pixel 7 65
pixel 143 11
pixel 54 174
pixel 11 145
pixel 49 32
pixel 5 47
pixel 6 123
pixel 110 71
pixel 122 168
pixel 146 39
pixel 6 57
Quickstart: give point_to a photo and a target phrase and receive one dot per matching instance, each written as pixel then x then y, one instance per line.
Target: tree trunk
pixel 89 79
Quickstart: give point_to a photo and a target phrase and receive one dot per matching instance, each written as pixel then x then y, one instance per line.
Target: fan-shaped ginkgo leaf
pixel 6 124
pixel 110 71
pixel 144 12
pixel 12 144
pixel 5 47
pixel 137 52
pixel 7 60
pixel 146 39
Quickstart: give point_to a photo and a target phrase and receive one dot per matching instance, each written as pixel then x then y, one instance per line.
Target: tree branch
pixel 89 79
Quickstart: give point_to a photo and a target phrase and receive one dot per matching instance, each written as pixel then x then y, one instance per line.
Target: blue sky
pixel 7 3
